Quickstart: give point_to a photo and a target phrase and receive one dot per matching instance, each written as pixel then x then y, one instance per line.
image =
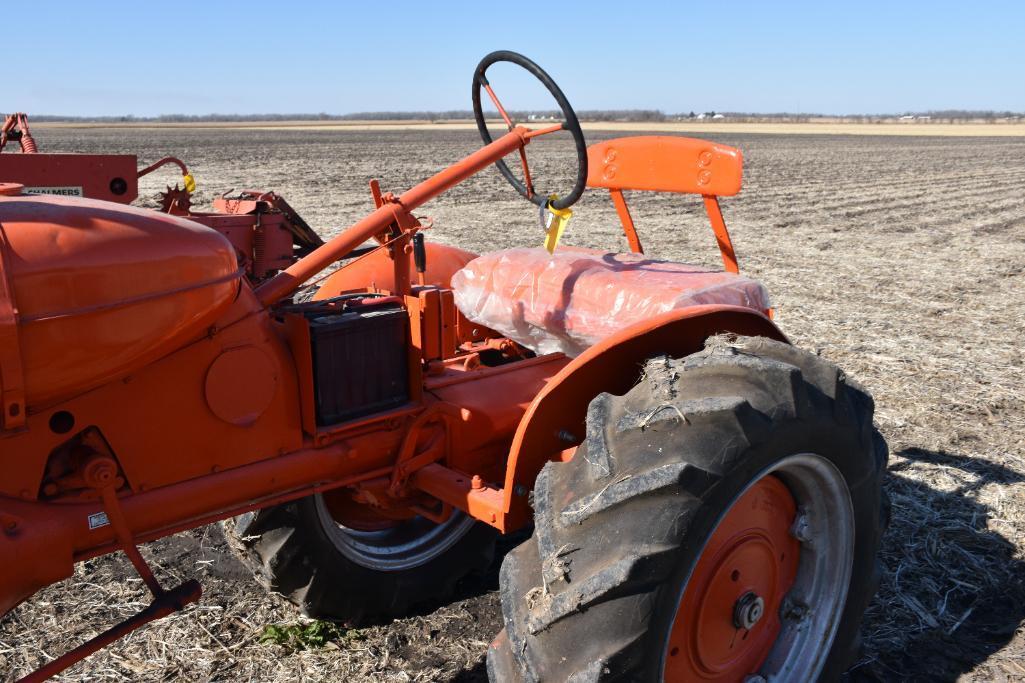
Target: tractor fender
pixel 554 421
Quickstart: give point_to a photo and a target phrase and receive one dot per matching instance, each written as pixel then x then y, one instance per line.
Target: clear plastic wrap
pixel 570 300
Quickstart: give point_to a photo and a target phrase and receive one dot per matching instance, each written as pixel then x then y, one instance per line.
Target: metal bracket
pixel 409 460
pixel 101 473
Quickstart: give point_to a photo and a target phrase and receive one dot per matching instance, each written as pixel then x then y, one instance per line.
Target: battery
pixel 360 361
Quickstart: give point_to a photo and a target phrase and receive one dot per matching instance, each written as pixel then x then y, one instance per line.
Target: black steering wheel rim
pixel 571 124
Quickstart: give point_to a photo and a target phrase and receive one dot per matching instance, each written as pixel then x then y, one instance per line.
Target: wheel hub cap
pixel 728 618
pixel 748 610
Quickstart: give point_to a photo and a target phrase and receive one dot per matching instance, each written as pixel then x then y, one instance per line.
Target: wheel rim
pixel 765 598
pixel 405 544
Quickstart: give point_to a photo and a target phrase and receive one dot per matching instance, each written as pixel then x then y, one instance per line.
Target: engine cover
pixel 101 288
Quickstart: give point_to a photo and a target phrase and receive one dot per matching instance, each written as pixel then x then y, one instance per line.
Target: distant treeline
pixel 453 115
pixel 641 115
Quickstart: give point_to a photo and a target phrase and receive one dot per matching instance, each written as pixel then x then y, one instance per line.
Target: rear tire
pixel 355 577
pixel 600 593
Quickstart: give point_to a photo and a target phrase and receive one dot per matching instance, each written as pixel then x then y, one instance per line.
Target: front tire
pixel 721 520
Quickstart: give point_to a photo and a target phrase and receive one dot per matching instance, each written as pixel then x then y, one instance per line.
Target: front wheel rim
pixel 405 545
pixel 772 580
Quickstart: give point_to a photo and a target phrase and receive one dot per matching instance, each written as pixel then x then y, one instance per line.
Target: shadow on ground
pixel 953 591
pixel 481 615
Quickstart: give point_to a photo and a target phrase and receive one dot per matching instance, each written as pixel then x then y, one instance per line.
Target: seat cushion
pixel 570 300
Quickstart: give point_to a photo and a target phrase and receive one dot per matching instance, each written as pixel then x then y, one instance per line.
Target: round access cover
pixel 240 384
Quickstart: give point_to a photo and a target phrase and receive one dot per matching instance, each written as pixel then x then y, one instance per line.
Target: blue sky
pixel 147 58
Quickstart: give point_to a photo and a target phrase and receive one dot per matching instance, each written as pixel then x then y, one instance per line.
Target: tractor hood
pixel 100 288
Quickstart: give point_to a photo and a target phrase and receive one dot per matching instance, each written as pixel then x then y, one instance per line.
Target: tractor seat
pixel 570 300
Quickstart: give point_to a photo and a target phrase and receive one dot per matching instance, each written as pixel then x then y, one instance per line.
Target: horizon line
pixel 591 115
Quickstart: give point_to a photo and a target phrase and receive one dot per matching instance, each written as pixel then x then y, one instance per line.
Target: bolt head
pixel 99 472
pixel 793 610
pixel 801 528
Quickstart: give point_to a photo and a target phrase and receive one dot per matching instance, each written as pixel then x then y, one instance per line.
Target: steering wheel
pixel 570 123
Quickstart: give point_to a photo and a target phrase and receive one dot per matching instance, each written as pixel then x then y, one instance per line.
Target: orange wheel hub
pixel 728 618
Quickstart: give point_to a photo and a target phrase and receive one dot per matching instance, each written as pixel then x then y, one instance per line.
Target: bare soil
pixel 900 258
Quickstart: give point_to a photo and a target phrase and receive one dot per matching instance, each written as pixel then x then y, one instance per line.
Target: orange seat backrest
pixel 665 163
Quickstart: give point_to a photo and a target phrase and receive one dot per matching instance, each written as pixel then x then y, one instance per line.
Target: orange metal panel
pixel 158 420
pixel 417 334
pixel 433 325
pixel 449 323
pixel 662 163
pixel 430 323
pixel 110 177
pixel 493 401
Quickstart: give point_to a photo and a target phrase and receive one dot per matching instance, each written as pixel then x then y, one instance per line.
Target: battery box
pixel 360 361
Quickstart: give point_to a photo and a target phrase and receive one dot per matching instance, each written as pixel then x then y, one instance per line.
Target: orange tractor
pixel 704 498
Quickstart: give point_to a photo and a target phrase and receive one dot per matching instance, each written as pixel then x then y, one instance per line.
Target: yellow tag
pixel 556 226
pixel 190 183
